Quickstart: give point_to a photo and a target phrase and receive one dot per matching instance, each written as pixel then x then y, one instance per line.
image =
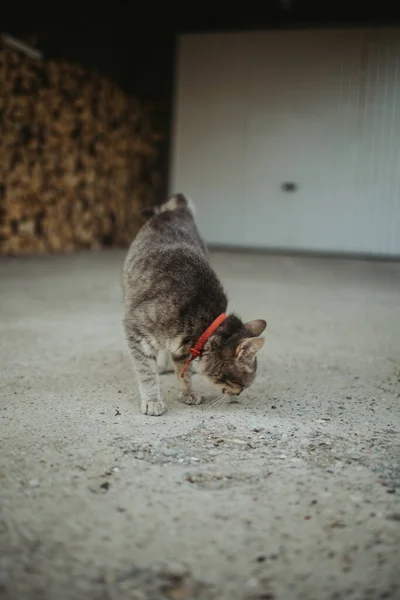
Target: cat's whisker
pixel 218 400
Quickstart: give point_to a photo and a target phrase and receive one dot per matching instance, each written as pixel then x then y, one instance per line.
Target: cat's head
pixel 229 357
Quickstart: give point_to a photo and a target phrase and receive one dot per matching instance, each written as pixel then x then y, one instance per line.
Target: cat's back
pixel 171 232
pixel 167 265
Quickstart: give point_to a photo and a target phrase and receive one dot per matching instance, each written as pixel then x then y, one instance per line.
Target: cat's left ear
pixel 256 327
pixel 248 348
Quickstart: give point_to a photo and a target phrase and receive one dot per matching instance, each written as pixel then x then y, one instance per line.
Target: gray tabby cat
pixel 172 296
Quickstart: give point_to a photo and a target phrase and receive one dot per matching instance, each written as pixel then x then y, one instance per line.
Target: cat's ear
pixel 256 327
pixel 248 348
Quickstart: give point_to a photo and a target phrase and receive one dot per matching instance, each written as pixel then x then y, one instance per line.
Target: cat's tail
pixel 174 202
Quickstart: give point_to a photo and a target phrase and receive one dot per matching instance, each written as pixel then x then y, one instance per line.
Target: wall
pixel 319 109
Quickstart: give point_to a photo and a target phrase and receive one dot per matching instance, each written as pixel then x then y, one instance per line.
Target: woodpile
pixel 77 158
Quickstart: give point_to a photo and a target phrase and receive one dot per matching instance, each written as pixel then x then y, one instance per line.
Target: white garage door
pixel 291 140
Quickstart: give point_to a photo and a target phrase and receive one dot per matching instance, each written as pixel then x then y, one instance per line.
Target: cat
pixel 172 297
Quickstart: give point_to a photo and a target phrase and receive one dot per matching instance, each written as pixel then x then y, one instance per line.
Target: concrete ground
pixel 293 493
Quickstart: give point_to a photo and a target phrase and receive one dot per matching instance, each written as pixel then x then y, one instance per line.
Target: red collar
pixel 198 347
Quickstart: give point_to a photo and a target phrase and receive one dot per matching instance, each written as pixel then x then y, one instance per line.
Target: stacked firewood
pixel 77 158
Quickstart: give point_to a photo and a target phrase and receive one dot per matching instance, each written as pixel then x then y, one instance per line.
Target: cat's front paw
pixel 153 408
pixel 190 398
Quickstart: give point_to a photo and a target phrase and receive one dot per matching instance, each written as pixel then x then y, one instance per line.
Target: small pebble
pixel 34 483
pixel 139 455
pixel 393 517
pixel 175 569
pixel 260 558
pixel 170 451
pixel 213 452
pixel 356 499
pixel 252 583
pixel 194 459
